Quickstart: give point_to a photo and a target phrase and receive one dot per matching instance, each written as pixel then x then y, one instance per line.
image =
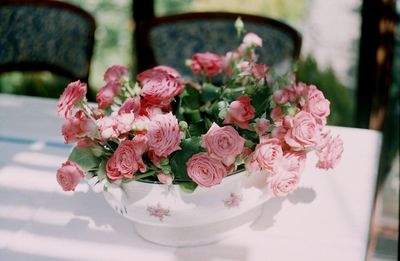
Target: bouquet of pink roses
pixel 161 128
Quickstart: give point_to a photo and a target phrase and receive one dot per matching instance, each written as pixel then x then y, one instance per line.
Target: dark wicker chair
pixel 169 40
pixel 38 35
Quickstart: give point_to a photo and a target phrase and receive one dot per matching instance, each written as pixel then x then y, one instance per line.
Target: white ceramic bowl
pixel 169 216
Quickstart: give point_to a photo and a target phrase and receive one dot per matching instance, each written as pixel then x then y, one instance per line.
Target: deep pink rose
pixel 252 39
pixel 131 105
pixel 223 143
pixel 260 71
pixel 209 63
pixel 305 132
pixel 164 134
pixel 76 127
pixel 126 160
pixel 265 156
pixel 317 105
pixel 329 151
pixel 69 175
pixel 105 96
pixel 262 126
pixel 155 71
pixel 282 183
pixel 161 89
pixel 240 112
pixel 205 170
pixel 73 93
pixel 115 73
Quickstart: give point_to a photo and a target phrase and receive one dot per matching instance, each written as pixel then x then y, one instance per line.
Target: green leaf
pixel 261 100
pixel 191 98
pixel 101 172
pixel 210 92
pixel 192 115
pixel 188 187
pixel 178 161
pixel 197 128
pixel 84 157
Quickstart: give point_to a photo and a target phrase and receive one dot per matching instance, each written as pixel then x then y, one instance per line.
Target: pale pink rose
pixel 125 161
pixel 292 161
pixel 262 126
pixel 155 71
pixel 105 96
pixel 73 93
pixel 114 126
pixel 317 105
pixel 77 127
pixel 69 175
pixel 240 112
pixel 305 132
pixel 223 143
pixel 164 134
pixel 107 127
pixel 329 151
pixel 205 170
pixel 161 89
pixel 115 73
pixel 209 63
pixel 164 178
pixel 252 39
pixel 131 105
pixel 283 183
pixel 266 156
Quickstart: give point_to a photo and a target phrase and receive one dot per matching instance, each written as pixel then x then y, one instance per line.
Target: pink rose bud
pixel 164 178
pixel 252 39
pixel 261 126
pixel 105 96
pixel 69 175
pixel 115 73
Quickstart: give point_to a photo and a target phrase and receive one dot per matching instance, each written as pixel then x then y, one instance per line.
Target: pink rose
pixel 126 160
pixel 69 175
pixel 205 170
pixel 282 183
pixel 164 134
pixel 329 151
pixel 252 39
pixel 161 89
pixel 265 156
pixel 240 112
pixel 224 144
pixel 305 132
pixel 115 73
pixel 209 63
pixel 317 105
pixel 105 96
pixel 76 127
pixel 130 105
pixel 73 93
pixel 276 114
pixel 262 126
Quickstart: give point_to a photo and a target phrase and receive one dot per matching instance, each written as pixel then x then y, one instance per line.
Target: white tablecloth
pixel 327 218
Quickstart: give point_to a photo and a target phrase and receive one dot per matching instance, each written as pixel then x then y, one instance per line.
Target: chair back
pixel 169 40
pixel 48 35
